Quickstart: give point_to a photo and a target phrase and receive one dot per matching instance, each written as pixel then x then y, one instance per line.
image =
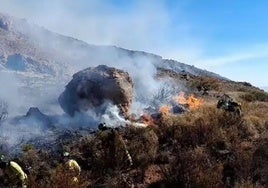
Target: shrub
pixel 205 82
pixel 255 96
pixel 207 147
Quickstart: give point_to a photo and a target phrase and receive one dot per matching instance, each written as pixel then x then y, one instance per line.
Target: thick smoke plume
pixel 64 57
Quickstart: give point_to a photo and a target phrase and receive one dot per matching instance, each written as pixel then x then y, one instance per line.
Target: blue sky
pixel 229 37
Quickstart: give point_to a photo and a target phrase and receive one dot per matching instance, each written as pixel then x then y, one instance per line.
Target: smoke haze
pixel 50 67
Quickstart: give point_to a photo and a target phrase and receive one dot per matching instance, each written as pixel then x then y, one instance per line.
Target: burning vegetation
pixel 200 138
pixel 188 103
pixel 191 102
pixel 179 105
pixel 193 140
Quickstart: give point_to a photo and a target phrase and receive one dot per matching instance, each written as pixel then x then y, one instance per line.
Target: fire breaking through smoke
pixel 166 109
pixel 192 102
pixel 179 105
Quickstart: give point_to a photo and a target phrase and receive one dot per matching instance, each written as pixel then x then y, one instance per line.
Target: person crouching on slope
pixel 14 172
pixel 72 166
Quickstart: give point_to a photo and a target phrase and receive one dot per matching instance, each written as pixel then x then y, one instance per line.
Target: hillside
pixel 178 132
pixel 36 57
pixel 50 50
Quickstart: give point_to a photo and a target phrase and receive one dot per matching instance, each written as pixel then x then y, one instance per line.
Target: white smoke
pixel 15 135
pixel 9 92
pixel 112 118
pixel 67 56
pixel 147 90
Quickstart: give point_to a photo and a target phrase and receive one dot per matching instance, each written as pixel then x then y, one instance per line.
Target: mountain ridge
pixel 42 62
pixel 37 38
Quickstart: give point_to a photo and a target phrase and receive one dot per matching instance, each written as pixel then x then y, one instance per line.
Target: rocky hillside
pixel 30 48
pixel 185 127
pixel 43 51
pixel 40 63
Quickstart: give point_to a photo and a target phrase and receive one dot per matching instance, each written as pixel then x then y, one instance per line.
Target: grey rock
pixel 93 87
pixel 4 22
pixel 35 118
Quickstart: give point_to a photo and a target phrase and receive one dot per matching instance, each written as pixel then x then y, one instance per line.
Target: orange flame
pixel 165 109
pixel 191 101
pixel 147 119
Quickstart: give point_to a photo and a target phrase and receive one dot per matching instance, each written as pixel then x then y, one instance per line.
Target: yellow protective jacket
pixel 74 166
pixel 15 168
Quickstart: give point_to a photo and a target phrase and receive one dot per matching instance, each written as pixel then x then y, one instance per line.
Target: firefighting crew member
pixel 13 171
pixel 114 135
pixel 73 166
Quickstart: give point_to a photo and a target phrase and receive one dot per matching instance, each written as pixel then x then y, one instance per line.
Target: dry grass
pixel 207 147
pixel 255 96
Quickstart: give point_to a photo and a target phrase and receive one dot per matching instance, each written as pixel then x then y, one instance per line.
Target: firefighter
pixel 228 104
pixel 72 166
pixel 14 172
pixel 112 136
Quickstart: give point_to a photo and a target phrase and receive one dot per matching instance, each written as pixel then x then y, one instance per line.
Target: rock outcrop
pixel 35 117
pixel 4 22
pixel 35 113
pixel 93 87
pixel 16 62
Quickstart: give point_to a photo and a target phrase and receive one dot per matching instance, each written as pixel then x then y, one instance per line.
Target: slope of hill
pixel 41 59
pixel 201 146
pixel 265 89
pixel 47 50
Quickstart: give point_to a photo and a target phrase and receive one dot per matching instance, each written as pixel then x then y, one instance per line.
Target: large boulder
pixel 93 87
